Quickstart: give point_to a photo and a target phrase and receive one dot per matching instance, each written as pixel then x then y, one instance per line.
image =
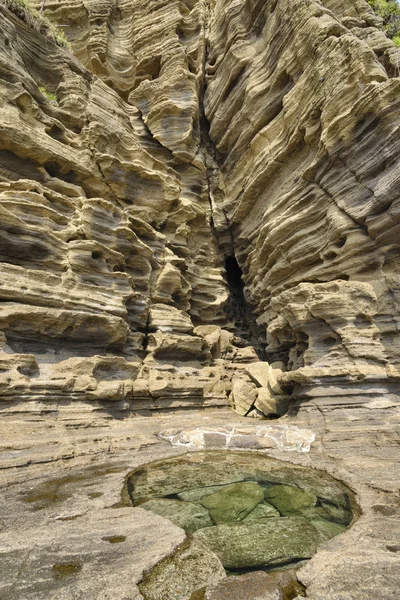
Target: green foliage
pixel 389 11
pixel 37 21
pixel 60 37
pixel 21 3
pixel 49 95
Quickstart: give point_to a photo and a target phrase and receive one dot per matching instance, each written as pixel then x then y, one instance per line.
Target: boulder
pixel 243 395
pixel 327 529
pixel 275 542
pixel 233 502
pixel 262 512
pixel 271 399
pixel 187 515
pixel 196 494
pixel 289 500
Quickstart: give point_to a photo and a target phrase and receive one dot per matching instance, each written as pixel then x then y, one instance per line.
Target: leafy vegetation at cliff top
pixel 37 21
pixel 389 11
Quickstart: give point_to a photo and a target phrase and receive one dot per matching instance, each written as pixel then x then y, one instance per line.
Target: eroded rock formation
pixel 199 205
pixel 199 208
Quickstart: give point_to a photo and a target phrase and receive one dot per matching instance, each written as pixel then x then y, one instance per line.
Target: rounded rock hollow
pixel 249 517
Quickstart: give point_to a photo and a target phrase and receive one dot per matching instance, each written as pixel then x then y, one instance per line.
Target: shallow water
pixel 252 512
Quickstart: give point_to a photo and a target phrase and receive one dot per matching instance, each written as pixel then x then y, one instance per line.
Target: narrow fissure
pixel 237 309
pixel 145 340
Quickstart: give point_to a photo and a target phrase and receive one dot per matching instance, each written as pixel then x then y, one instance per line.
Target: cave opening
pixel 239 311
pixel 234 273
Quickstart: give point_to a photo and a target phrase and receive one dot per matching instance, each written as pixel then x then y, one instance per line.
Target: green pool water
pixel 249 512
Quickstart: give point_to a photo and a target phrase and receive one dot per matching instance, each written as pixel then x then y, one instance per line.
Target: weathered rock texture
pixel 199 188
pixel 311 178
pixel 112 284
pixel 63 535
pixel 199 207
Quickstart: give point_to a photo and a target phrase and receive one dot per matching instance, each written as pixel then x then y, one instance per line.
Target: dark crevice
pixel 295 563
pixel 55 170
pixel 238 310
pixel 145 340
pixel 149 69
pixel 13 168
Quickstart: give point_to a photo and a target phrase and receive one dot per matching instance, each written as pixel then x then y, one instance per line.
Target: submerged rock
pixel 233 502
pixel 327 529
pixel 188 569
pixel 289 500
pixel 338 514
pixel 273 519
pixel 275 542
pixel 187 515
pixel 261 512
pixel 203 470
pixel 196 494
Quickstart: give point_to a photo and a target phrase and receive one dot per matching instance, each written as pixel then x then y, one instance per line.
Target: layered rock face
pixel 108 258
pixel 304 117
pixel 199 206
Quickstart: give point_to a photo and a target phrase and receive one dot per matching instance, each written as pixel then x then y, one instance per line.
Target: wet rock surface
pixel 245 524
pixel 222 474
pixel 233 502
pixel 327 529
pixel 186 515
pixel 273 543
pixel 261 512
pixel 289 500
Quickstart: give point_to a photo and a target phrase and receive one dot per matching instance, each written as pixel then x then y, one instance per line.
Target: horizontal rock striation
pixel 112 285
pixel 191 192
pixel 303 108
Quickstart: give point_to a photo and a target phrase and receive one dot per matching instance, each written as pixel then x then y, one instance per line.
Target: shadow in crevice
pixel 239 311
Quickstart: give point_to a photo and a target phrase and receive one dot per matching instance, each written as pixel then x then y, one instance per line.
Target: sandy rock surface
pixel 61 485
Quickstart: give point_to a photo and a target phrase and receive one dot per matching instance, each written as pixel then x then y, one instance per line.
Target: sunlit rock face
pixel 113 287
pixel 199 205
pixel 303 114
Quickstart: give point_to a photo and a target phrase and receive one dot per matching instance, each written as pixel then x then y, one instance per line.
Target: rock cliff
pixel 199 208
pixel 194 188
